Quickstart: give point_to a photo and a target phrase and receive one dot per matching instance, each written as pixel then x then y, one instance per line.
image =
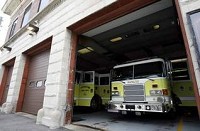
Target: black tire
pixel 95 103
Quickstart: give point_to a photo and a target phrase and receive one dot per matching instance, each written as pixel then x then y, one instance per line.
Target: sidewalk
pixel 26 122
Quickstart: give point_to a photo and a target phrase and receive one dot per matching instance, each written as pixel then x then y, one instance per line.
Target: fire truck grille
pixel 133 93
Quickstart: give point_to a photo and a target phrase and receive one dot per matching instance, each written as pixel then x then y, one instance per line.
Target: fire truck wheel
pixel 95 104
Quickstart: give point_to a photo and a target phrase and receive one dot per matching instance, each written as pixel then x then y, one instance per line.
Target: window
pixel 39 83
pixel 104 80
pixel 122 73
pixel 43 4
pixel 153 69
pixel 12 31
pixel 32 84
pixel 88 77
pixel 180 71
pixel 26 15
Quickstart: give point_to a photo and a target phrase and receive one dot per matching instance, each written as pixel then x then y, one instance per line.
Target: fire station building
pixel 39 57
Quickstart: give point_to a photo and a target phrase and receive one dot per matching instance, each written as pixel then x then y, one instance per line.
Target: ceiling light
pixel 155 27
pixel 172 22
pixel 85 50
pixel 181 70
pixel 179 60
pixel 116 39
pixel 183 76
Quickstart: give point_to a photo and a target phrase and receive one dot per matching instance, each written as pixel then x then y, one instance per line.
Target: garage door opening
pixel 150 32
pixel 34 92
pixel 34 78
pixel 8 69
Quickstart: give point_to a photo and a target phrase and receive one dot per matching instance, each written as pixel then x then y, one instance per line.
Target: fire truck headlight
pixel 155 92
pixel 115 93
pixel 160 99
pixel 159 107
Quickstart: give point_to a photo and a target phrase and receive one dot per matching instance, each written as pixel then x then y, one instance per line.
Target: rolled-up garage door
pixel 34 92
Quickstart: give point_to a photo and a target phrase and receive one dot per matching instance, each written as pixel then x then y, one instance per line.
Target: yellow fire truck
pixel 181 83
pixel 143 86
pixel 91 89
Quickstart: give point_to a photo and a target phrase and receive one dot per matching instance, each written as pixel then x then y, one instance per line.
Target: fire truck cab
pixel 141 86
pixel 91 89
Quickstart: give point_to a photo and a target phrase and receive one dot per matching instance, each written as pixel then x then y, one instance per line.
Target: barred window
pixel 12 31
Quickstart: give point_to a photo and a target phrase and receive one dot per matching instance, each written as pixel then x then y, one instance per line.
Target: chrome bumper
pixel 139 107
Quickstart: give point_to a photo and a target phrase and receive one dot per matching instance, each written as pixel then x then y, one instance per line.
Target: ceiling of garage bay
pixel 151 31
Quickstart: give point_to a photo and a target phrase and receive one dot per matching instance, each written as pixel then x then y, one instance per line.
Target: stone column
pixel 13 93
pixel 53 112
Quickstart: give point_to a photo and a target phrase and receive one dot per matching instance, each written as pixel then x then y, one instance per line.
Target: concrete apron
pixel 114 122
pixel 67 127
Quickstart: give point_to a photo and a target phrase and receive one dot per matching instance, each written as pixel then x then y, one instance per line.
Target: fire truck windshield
pixel 145 70
pixel 149 70
pixel 122 73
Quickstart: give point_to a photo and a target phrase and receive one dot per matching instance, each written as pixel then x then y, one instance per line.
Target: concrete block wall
pixel 54 25
pixel 188 6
